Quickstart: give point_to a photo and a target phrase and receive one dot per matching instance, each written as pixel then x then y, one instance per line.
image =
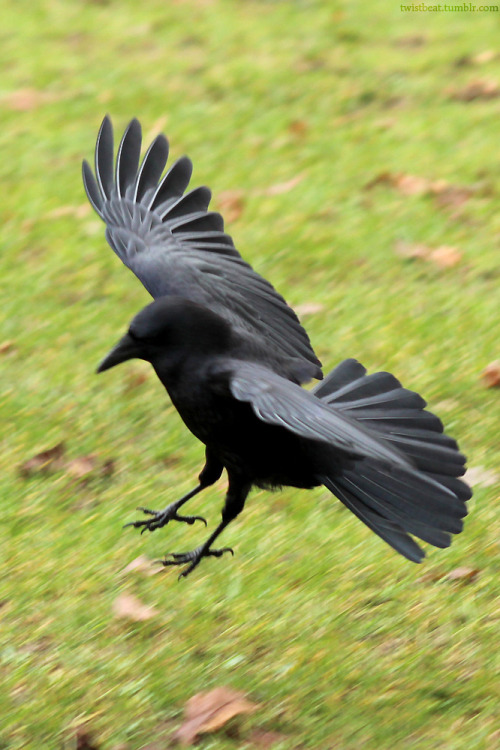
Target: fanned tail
pixel 427 501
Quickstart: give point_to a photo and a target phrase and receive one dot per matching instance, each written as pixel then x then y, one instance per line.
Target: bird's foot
pixel 161 518
pixel 193 558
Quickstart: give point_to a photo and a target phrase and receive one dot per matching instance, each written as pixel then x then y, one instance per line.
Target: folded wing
pixel 278 401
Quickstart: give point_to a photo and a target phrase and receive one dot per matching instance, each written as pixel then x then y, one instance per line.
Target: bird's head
pixel 167 330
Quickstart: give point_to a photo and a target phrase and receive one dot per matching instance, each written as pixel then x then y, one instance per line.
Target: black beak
pixel 125 349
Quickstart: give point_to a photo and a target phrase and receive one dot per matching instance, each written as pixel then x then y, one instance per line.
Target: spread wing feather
pixel 174 245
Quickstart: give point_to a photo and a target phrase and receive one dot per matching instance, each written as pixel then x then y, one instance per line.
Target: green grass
pixel 342 643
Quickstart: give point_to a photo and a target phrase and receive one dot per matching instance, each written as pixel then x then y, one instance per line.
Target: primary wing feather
pixel 174 245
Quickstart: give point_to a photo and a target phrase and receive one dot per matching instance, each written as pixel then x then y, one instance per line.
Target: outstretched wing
pixel 278 401
pixel 174 245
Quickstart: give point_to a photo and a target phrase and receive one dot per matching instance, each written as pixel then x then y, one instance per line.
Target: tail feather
pixel 372 503
pixel 427 501
pixel 389 531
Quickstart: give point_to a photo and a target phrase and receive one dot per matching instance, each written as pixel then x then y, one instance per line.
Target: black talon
pixel 160 518
pixel 193 558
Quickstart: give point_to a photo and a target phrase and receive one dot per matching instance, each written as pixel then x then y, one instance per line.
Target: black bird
pixel 232 356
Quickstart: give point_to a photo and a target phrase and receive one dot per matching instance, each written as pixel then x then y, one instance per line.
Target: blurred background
pixel 353 151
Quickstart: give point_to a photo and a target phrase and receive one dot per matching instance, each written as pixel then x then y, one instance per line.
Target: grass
pixel 341 642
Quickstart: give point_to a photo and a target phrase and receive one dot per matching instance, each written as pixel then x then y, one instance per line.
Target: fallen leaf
pixel 128 607
pixel 447 196
pixel 479 89
pixel 283 187
pixel 409 184
pixel 142 564
pixel 412 250
pixel 383 178
pixel 27 99
pixel 491 374
pixel 135 379
pixel 79 212
pixel 450 196
pixel 412 41
pixel 466 575
pixel 6 346
pixel 445 256
pixel 231 204
pixel 41 463
pixel 485 57
pixel 493 740
pixel 263 740
pixel 480 475
pixel 300 128
pixel 108 468
pixel 84 741
pixel 406 184
pixel 480 59
pixel 209 711
pixel 308 308
pixel 82 466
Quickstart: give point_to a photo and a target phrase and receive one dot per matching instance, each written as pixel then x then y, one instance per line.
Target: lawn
pixel 353 149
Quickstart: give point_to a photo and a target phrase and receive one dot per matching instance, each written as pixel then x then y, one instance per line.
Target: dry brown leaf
pixel 299 128
pixel 231 204
pixel 263 740
pixel 412 250
pixel 41 463
pixel 410 184
pixel 209 711
pixel 84 741
pixel 27 99
pixel 445 256
pixel 485 57
pixel 308 308
pixel 406 184
pixel 479 89
pixel 447 196
pixel 134 379
pixel 466 575
pixel 142 564
pixel 284 187
pixel 128 607
pixel 480 475
pixel 491 374
pixel 480 59
pixel 384 178
pixel 108 468
pixel 412 41
pixel 6 346
pixel 450 196
pixel 79 212
pixel 82 466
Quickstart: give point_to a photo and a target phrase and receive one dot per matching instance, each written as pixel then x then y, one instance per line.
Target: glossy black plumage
pixel 174 245
pixel 232 356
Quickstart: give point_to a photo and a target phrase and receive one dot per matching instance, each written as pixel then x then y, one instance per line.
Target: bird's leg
pixel 235 501
pixel 208 475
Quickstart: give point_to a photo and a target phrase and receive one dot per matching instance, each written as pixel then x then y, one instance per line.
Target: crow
pixel 233 357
